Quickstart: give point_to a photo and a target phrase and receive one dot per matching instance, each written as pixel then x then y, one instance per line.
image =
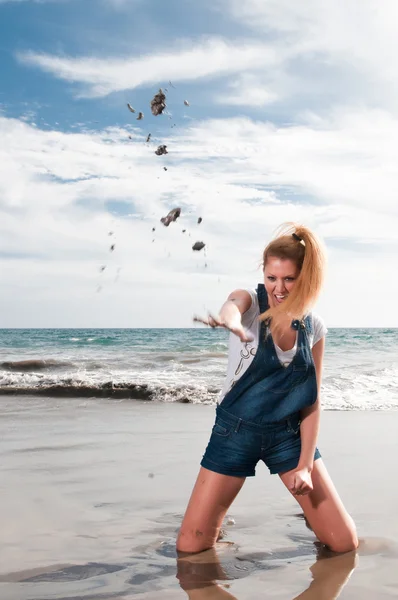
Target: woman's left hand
pixel 300 482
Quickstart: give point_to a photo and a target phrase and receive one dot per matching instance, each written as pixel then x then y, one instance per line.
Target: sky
pixel 292 116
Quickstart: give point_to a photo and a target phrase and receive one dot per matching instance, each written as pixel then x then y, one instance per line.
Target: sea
pixel 182 365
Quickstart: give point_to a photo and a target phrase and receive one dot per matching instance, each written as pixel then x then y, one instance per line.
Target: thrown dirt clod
pixel 158 103
pixel 164 168
pixel 153 228
pixel 198 246
pixel 140 116
pixel 172 216
pixel 186 103
pixel 112 248
pixel 131 109
pixel 148 138
pixel 200 220
pixel 162 149
pixel 102 269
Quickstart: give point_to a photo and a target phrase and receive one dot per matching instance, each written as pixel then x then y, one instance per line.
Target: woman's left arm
pixel 310 416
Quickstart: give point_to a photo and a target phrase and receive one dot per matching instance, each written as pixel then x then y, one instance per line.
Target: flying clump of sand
pixel 158 106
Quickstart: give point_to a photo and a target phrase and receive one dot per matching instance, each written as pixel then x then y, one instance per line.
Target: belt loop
pixel 238 425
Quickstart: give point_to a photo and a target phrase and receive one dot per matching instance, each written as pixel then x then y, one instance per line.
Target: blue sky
pixel 292 116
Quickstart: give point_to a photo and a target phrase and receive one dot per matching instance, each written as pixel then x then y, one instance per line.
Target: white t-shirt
pixel 241 354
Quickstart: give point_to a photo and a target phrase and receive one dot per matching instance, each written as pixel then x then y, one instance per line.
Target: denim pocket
pixel 289 381
pixel 220 430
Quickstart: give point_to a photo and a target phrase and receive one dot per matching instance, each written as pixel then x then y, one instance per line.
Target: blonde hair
pixel 298 244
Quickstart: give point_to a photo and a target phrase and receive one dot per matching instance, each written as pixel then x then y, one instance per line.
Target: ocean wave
pixel 220 347
pixel 35 364
pixel 159 358
pixel 100 341
pixel 375 389
pixel 189 394
pixel 190 380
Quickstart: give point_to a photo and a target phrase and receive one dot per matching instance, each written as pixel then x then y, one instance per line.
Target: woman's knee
pixel 194 541
pixel 346 541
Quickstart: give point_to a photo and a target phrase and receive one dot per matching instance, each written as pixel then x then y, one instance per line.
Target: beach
pixel 93 492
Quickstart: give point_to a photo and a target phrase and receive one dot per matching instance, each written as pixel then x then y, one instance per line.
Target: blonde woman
pixel 270 404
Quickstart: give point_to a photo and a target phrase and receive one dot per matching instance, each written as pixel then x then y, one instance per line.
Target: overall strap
pixel 262 297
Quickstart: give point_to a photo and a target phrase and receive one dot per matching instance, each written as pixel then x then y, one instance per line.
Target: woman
pixel 270 407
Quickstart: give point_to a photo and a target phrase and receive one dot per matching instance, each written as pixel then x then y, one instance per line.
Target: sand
pixel 92 494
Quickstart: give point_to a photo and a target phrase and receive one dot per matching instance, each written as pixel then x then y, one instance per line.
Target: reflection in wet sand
pixel 330 575
pixel 150 571
pixel 200 574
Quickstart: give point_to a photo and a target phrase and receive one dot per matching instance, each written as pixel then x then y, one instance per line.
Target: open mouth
pixel 279 298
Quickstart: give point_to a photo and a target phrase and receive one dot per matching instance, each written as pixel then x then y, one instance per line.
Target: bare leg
pixel 211 497
pixel 213 592
pixel 198 573
pixel 329 577
pixel 325 511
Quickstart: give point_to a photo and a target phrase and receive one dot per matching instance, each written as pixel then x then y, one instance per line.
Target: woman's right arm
pixel 230 315
pixel 237 303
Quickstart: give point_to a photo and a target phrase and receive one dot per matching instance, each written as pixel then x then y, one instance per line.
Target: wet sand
pixel 92 493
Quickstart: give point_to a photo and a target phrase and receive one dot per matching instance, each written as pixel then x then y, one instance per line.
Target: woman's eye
pixel 271 278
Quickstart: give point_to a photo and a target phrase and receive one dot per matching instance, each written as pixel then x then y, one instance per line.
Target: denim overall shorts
pixel 259 418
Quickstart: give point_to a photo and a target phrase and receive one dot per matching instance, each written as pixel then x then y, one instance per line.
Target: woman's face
pixel 279 278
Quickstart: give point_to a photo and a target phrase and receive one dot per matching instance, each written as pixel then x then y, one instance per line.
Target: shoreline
pixel 145 394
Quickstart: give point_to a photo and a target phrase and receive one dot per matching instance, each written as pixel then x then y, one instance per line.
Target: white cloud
pixel 304 54
pixel 339 37
pixel 327 26
pixel 330 164
pixel 247 90
pixel 243 177
pixel 211 58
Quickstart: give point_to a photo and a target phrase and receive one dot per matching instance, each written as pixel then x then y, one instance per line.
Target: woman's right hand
pixel 234 326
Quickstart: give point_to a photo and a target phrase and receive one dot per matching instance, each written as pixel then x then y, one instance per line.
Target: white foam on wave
pixel 376 390
pixel 355 387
